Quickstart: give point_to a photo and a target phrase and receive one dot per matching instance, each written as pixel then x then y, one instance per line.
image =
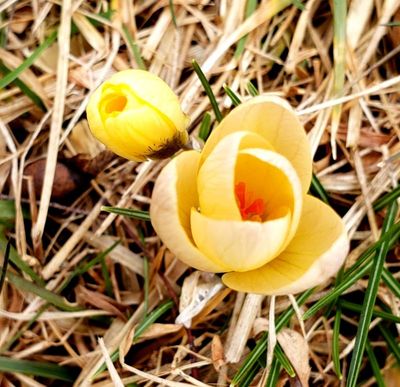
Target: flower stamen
pixel 249 209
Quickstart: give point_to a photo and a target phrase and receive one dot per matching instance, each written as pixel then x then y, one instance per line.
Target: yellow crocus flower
pixel 241 205
pixel 137 116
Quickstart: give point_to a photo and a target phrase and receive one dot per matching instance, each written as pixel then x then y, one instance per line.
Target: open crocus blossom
pixel 136 115
pixel 241 205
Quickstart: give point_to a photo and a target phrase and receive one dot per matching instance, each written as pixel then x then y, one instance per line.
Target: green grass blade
pixel 339 56
pixel 84 267
pixel 208 90
pixel 134 48
pixel 318 189
pixel 392 24
pixel 3 31
pixel 172 10
pixel 298 4
pixel 136 214
pixel 251 6
pixel 337 291
pixel 369 301
pixel 284 361
pixel 391 282
pixel 393 234
pixel 36 368
pixel 386 199
pixel 3 270
pixel 24 88
pixel 232 95
pixel 356 272
pixel 146 285
pixel 52 298
pixel 376 312
pixel 336 343
pixel 106 276
pixel 375 366
pixel 143 326
pixel 205 126
pixel 391 341
pixel 18 262
pixel 274 372
pixel 252 89
pixel 261 346
pixel 10 77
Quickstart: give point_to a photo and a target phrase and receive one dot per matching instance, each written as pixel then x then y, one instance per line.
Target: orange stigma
pixel 249 209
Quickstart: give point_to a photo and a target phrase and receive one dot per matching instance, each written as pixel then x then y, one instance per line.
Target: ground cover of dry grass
pixel 73 297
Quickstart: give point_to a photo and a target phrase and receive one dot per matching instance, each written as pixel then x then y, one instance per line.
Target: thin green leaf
pixel 205 126
pixel 392 24
pixel 134 48
pixel 339 56
pixel 36 368
pixel 376 312
pixel 374 365
pixel 284 361
pixel 261 347
pixel 172 10
pixel 369 301
pixel 52 298
pixel 391 282
pixel 18 262
pixel 252 89
pixel 318 189
pixel 3 270
pixel 336 343
pixel 146 284
pixel 143 326
pixel 208 90
pixel 392 235
pixel 391 341
pixel 28 61
pixel 26 327
pixel 106 276
pixel 137 214
pixel 24 88
pixel 274 372
pixel 352 275
pixel 84 267
pixel 298 4
pixel 3 31
pixel 386 199
pixel 337 291
pixel 251 6
pixel 232 95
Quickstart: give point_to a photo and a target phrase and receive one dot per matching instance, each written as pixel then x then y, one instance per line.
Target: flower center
pixel 116 103
pixel 250 208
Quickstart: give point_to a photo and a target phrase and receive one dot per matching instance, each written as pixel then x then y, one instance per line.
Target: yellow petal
pixel 174 194
pixel 137 134
pixel 240 245
pixel 316 253
pixel 271 177
pixel 216 178
pixel 274 119
pixel 154 91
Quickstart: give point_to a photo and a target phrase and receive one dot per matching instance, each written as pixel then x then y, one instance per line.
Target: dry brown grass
pixel 288 52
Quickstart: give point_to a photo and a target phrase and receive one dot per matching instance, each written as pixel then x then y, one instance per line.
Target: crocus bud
pixel 136 115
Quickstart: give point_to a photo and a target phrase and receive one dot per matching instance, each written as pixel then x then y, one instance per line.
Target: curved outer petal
pixel 274 119
pixel 174 194
pixel 152 89
pixel 273 178
pixel 216 177
pixel 316 253
pixel 135 134
pixel 240 245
